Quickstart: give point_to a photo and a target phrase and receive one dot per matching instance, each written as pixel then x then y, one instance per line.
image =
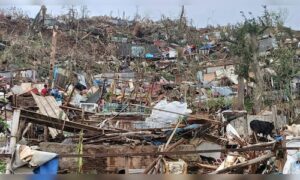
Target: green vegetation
pixel 244 41
pixel 248 104
pixel 213 104
pixel 3 123
pixel 2 166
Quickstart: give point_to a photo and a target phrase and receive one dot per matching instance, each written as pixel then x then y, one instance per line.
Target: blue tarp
pixel 57 95
pixel 192 126
pixel 55 72
pixel 278 138
pixel 154 142
pixel 97 82
pixel 206 47
pixel 188 127
pixel 149 55
pixel 50 167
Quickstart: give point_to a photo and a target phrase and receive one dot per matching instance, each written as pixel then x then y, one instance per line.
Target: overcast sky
pixel 202 12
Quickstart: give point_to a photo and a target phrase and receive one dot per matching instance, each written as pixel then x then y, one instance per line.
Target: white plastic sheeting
pixel 290 167
pixel 169 117
pixel 81 79
pixel 229 161
pixel 77 99
pixel 28 155
pixel 231 132
pixel 159 119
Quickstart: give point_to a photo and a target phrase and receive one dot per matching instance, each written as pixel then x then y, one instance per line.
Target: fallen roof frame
pixel 69 126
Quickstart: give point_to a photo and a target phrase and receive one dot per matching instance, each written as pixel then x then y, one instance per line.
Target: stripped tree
pixel 244 43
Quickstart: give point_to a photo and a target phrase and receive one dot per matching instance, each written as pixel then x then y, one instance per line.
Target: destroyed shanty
pixel 105 95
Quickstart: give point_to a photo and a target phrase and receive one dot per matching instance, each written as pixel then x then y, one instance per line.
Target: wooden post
pixel 5 115
pixel 82 115
pixel 52 57
pixel 34 71
pixel 80 152
pixel 126 165
pixel 13 138
pixel 21 127
pixel 274 116
pixel 46 134
pixel 70 97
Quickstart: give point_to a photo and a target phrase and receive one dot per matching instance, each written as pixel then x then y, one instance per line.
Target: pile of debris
pixel 125 133
pixel 108 95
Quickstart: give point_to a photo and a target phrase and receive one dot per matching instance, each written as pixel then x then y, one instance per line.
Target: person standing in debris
pixel 44 91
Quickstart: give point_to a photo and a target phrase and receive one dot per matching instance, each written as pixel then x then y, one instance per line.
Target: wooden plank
pixel 44 109
pixel 69 126
pixel 207 166
pixel 13 137
pixel 48 106
pixel 245 164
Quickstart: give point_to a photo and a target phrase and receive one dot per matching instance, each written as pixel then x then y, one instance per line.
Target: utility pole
pixel 52 56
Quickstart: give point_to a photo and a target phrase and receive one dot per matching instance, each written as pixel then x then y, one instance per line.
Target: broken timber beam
pixel 148 169
pixel 245 164
pixel 207 166
pixel 69 126
pixel 272 143
pixel 76 109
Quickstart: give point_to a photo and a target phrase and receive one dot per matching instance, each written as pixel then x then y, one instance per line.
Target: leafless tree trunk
pixel 241 93
pixel 182 19
pixel 259 88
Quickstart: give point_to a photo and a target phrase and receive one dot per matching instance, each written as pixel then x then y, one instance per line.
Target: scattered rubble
pixel 108 95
